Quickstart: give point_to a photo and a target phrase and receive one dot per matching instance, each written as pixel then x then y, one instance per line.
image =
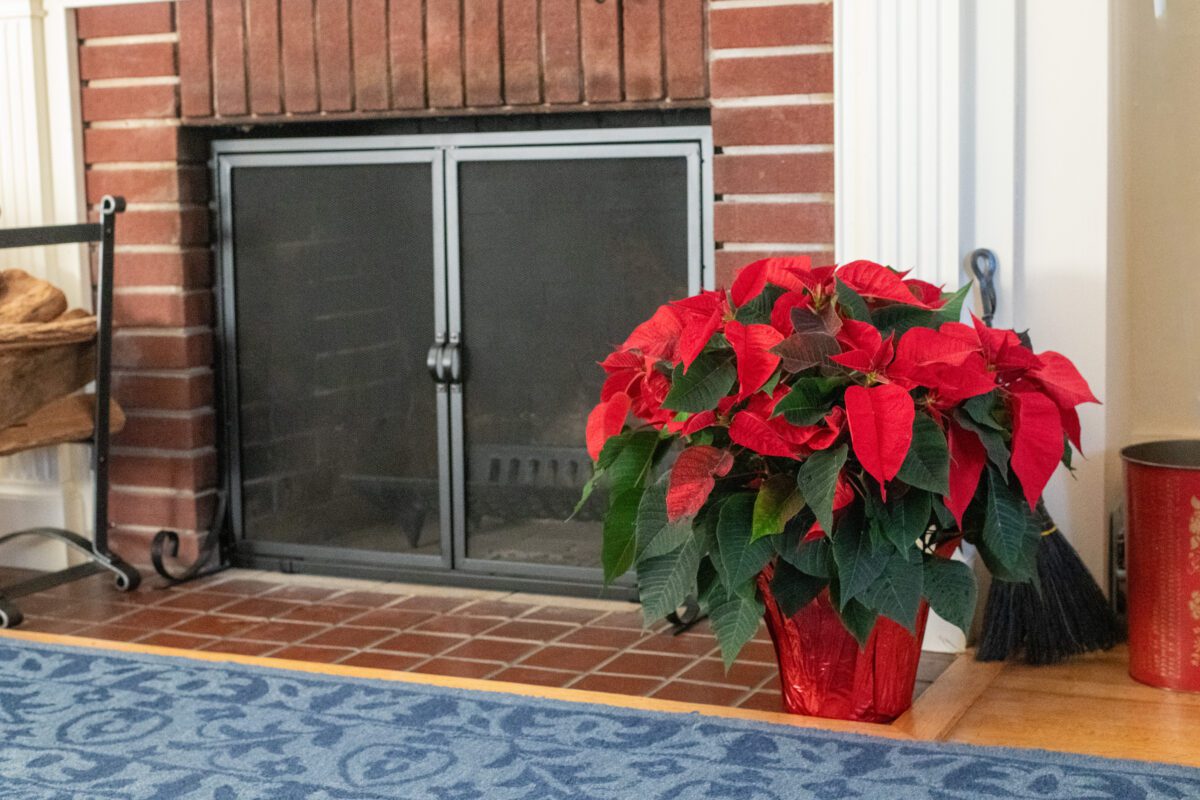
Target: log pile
pixel 47 353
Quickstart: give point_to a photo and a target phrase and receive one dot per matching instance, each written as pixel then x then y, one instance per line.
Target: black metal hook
pixel 984 264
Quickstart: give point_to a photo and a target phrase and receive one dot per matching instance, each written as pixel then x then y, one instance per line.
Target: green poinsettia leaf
pixel 981 409
pixel 896 593
pixel 1010 536
pixel 709 378
pixel 793 589
pixel 951 591
pixel 758 310
pixel 856 617
pixel 817 479
pixel 852 303
pixel 666 580
pixel 735 617
pixel 632 466
pixel 739 556
pixel 906 519
pixel 993 441
pixel 899 318
pixel 656 535
pixel 858 558
pixel 620 540
pixel 927 465
pixel 814 557
pixel 951 311
pixel 776 503
pixel 809 400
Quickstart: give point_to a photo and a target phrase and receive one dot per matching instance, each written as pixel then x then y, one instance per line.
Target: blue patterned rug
pixel 81 723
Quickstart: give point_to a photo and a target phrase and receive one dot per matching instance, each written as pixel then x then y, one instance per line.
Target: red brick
pixel 152 59
pixel 175 432
pixel 189 269
pixel 771 26
pixel 642 51
pixel 150 185
pixel 162 309
pixel 730 261
pixel 195 70
pixel 811 73
pixel 182 391
pixel 262 67
pixel 176 510
pixel 183 227
pixel 407 50
pixel 773 222
pixel 299 57
pixel 229 58
pixel 147 350
pixel 683 24
pixel 481 52
pixel 522 84
pixel 798 124
pixel 129 102
pixel 333 55
pixel 152 143
pixel 773 173
pixel 443 40
pixel 124 20
pixel 601 50
pixel 370 40
pixel 561 49
pixel 185 472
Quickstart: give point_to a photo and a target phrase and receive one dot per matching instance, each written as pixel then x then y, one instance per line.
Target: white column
pixel 897 131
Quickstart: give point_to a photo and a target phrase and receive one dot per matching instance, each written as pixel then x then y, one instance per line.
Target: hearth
pixel 408 328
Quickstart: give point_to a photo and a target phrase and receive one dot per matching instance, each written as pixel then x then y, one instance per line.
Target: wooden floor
pixel 1089 705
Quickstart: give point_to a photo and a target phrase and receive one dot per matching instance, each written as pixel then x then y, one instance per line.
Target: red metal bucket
pixel 1162 554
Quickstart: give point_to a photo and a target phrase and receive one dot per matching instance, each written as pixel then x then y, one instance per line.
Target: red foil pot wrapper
pixel 1162 558
pixel 824 673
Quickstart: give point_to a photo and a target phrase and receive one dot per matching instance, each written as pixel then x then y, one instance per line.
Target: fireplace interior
pixel 411 328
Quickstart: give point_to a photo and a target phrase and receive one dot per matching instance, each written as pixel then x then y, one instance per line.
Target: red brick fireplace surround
pixel 156 77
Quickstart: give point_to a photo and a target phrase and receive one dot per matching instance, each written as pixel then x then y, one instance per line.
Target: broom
pixel 1064 613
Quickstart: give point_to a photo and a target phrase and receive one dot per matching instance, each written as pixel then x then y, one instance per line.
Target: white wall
pixel 1156 218
pixel 1062 240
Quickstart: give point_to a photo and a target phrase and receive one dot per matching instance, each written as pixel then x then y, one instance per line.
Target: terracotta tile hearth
pixel 595 645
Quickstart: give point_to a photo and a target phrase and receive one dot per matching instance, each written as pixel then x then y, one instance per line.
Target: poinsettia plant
pixel 838 425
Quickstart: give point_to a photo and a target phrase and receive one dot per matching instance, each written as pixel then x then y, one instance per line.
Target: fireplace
pixel 160 81
pixel 410 327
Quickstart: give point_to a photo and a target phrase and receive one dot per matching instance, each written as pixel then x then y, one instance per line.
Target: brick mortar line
pixel 129 39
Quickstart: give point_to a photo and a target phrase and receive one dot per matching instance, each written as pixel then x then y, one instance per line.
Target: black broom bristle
pixel 1068 616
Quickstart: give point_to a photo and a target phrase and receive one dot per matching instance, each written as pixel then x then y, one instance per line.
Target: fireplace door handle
pixel 435 363
pixel 452 363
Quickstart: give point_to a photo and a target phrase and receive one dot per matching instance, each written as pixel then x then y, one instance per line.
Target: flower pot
pixel 824 673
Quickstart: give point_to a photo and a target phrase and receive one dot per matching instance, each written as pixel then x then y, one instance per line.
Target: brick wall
pixel 771 73
pixel 151 70
pixel 164 465
pixel 260 59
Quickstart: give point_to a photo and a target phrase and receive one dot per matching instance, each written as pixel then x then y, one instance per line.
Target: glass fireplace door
pixel 335 275
pixel 555 254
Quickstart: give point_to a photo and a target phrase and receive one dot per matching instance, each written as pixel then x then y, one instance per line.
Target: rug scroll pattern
pixel 81 723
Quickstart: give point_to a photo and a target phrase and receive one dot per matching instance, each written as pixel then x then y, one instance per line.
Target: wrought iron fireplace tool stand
pixel 99 557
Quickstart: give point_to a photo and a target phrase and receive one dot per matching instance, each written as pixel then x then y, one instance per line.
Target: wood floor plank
pixel 1115 728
